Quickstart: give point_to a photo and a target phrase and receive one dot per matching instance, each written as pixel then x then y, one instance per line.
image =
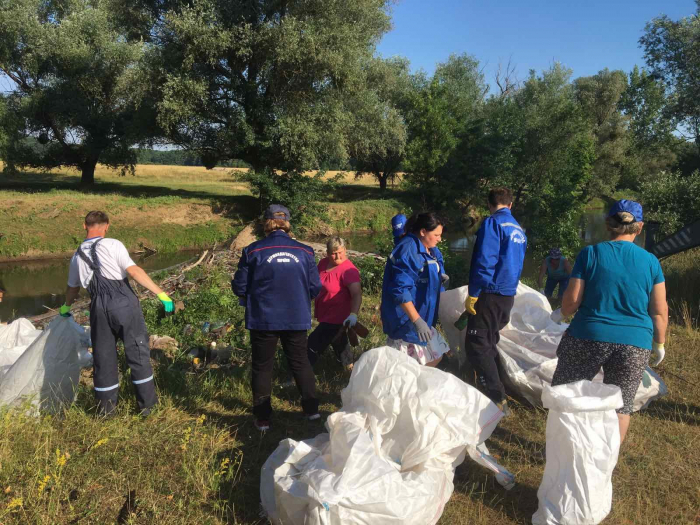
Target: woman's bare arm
pixel 573 296
pixel 658 310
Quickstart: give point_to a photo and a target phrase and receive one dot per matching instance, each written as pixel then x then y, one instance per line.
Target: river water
pixel 30 286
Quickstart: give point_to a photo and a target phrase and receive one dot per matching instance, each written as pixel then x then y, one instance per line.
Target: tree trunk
pixel 87 174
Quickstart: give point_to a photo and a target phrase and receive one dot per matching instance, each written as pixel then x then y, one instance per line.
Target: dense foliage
pixel 80 87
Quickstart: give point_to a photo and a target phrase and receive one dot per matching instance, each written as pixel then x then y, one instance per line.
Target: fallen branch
pixel 188 268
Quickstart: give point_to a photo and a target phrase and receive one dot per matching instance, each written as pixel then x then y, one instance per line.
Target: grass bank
pixel 163 207
pixel 198 459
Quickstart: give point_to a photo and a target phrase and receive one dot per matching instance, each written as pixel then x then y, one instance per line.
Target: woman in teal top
pixel 558 270
pixel 618 294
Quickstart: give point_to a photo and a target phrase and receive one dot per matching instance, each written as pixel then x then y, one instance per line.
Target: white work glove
pixel 658 353
pixel 350 321
pixel 557 316
pixel 541 290
pixel 424 332
pixel 444 279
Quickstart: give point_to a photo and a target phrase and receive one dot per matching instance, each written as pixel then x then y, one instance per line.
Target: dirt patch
pixel 188 214
pixel 244 238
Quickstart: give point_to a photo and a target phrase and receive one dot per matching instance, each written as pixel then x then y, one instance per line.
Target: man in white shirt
pixel 101 266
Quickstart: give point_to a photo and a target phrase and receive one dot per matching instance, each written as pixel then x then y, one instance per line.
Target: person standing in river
pixel 103 266
pixel 497 262
pixel 558 269
pixel 276 280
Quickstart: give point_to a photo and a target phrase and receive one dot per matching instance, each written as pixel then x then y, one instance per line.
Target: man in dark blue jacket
pixel 497 263
pixel 276 280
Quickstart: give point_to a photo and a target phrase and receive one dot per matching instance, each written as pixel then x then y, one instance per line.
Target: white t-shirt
pixel 114 260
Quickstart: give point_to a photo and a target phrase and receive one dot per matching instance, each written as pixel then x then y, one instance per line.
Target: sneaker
pixel 313 417
pixel 262 425
pixel 503 407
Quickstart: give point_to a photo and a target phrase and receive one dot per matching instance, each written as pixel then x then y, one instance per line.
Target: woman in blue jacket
pixel 414 276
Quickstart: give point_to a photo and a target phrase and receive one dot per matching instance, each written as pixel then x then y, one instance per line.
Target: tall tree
pixel 378 134
pixel 442 111
pixel 269 82
pixel 672 52
pixel 80 87
pixel 599 96
pixel 644 102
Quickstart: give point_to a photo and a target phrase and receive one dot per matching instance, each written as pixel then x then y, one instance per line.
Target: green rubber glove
pixel 167 301
pixel 64 311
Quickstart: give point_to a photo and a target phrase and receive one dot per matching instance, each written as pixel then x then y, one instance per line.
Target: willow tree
pixel 80 92
pixel 270 82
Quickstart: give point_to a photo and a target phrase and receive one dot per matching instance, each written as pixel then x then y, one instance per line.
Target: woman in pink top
pixel 338 303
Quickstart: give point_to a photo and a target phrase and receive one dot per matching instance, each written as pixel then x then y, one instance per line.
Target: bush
pixel 371 273
pixel 302 194
pixel 671 199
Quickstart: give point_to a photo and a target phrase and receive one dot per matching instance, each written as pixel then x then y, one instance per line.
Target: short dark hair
pixel 426 220
pixel 96 217
pixel 500 196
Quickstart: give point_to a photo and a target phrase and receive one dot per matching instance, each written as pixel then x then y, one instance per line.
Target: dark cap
pixel 626 206
pixel 555 253
pixel 275 211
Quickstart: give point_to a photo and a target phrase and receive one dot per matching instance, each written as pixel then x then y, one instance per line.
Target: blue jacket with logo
pixel 499 251
pixel 276 280
pixel 411 274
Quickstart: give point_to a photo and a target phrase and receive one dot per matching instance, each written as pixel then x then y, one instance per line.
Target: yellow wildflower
pixel 100 442
pixel 42 484
pixel 16 502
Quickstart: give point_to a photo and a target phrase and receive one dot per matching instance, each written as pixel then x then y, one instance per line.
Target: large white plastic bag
pixel 390 453
pixel 583 442
pixel 48 371
pixel 528 345
pixel 14 340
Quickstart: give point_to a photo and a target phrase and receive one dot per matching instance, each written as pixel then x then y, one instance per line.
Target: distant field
pixel 163 207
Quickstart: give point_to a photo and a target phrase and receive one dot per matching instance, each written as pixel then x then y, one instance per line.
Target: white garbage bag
pixel 389 454
pixel 14 340
pixel 583 442
pixel 48 371
pixel 528 345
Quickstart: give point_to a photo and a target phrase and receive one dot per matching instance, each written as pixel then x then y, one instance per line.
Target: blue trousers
pixel 552 284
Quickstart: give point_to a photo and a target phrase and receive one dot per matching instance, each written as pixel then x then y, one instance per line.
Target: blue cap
pixel 631 207
pixel 275 211
pixel 398 223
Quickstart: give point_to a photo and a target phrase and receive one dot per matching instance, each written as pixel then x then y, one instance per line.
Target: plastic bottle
pixel 205 327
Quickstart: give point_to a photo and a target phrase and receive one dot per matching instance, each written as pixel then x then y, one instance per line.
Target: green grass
pixel 163 207
pixel 198 458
